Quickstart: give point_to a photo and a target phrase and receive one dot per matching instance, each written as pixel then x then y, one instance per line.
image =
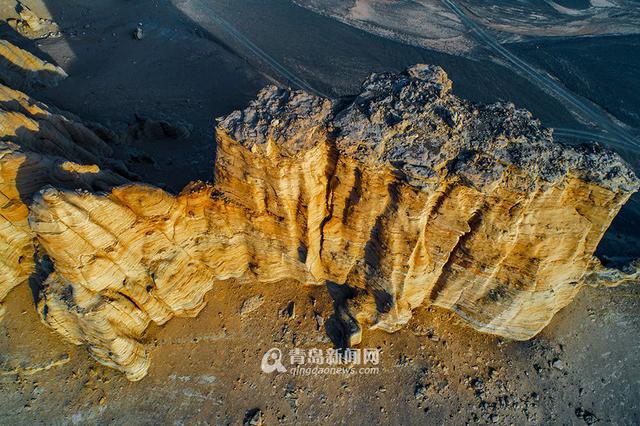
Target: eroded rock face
pixel 39 147
pixel 403 196
pixel 411 195
pixel 20 69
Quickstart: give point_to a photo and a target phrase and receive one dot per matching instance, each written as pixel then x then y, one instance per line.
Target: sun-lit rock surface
pixel 404 196
pixel 19 68
pixel 38 147
pixel 424 198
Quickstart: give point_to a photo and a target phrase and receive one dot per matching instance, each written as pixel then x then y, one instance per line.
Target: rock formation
pixel 29 25
pixel 403 196
pixel 19 68
pixel 40 146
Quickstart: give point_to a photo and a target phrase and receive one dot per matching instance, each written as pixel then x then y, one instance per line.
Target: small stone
pixel 138 34
pixel 557 364
pixel 588 417
pixel 30 18
pixel 492 373
pixel 251 304
pixel 253 418
pixel 477 384
pixel 420 392
pixel 290 310
pixel 319 320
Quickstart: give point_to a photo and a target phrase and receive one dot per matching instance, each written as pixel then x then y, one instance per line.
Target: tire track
pixel 624 138
pixel 211 14
pixel 590 136
pixel 192 8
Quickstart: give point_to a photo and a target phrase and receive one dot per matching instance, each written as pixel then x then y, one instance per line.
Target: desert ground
pixel 201 59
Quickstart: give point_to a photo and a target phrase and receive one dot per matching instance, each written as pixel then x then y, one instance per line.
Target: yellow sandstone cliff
pixel 38 147
pixel 404 195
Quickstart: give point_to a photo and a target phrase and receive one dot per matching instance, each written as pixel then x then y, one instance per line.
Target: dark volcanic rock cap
pixel 412 122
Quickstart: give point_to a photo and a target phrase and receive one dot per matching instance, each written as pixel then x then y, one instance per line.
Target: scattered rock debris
pixel 251 304
pixel 138 33
pixel 290 310
pixel 319 320
pixel 586 415
pixel 253 418
pixel 30 25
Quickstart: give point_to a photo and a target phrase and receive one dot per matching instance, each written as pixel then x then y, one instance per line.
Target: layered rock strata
pixel 40 146
pixel 404 195
pixel 20 69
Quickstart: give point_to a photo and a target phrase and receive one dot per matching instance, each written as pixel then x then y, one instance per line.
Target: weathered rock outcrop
pixel 40 146
pixel 29 25
pixel 405 194
pixel 19 68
